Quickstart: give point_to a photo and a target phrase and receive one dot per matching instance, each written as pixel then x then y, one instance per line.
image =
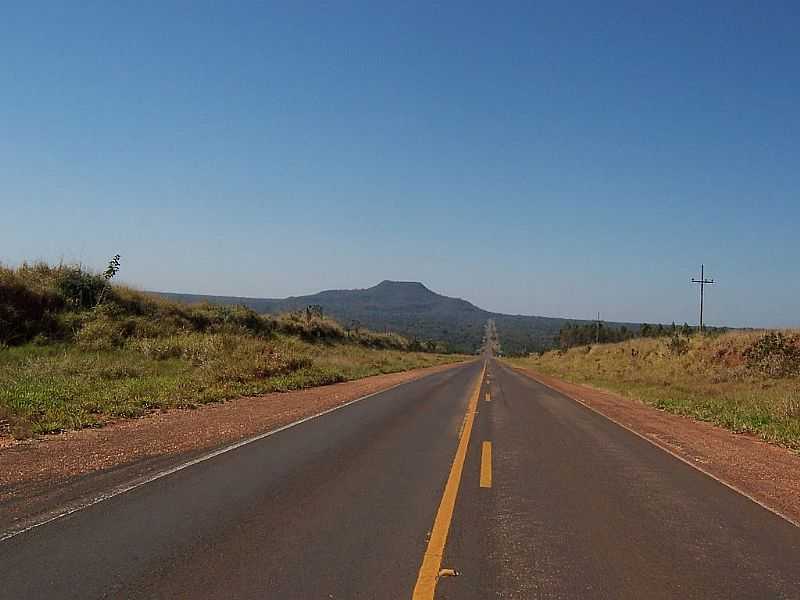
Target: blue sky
pixel 556 159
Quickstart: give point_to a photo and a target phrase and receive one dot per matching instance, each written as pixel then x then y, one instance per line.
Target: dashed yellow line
pixel 486 465
pixel 432 560
pixel 488 397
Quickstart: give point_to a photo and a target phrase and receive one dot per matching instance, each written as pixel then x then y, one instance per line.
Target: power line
pixel 703 283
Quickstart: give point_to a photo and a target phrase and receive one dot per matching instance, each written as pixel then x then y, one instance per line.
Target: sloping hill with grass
pixel 414 311
pixel 76 351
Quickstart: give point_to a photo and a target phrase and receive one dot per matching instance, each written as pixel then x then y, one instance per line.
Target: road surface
pixel 539 498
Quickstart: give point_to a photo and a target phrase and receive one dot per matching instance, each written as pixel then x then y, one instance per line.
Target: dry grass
pixel 719 379
pixel 55 387
pixel 67 361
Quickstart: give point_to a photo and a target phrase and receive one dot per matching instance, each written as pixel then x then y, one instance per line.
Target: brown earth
pixel 767 473
pixel 55 472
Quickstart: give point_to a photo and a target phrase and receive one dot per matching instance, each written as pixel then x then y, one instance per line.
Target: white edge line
pixel 669 451
pixel 7 535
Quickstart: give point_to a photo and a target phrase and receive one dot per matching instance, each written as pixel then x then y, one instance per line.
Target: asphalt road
pixel 551 500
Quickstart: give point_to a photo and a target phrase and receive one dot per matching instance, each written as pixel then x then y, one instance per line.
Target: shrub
pixel 310 328
pixel 80 289
pixel 25 310
pixel 102 333
pixel 775 355
pixel 678 346
pixel 384 341
pixel 231 319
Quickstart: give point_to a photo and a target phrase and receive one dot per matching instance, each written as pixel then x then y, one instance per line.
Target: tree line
pixel 583 334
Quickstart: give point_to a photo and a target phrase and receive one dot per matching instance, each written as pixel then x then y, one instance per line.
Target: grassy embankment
pixel 67 363
pixel 744 381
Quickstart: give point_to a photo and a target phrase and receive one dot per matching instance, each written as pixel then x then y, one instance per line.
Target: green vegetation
pixel 744 381
pixel 414 311
pixel 408 308
pixel 582 334
pixel 76 351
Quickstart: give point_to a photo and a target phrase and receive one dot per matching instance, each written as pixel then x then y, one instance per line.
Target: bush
pixel 102 333
pixel 80 289
pixel 678 346
pixel 309 327
pixel 25 310
pixel 775 355
pixel 231 319
pixel 385 341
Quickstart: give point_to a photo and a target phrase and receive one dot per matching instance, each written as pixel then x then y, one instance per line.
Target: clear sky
pixel 538 158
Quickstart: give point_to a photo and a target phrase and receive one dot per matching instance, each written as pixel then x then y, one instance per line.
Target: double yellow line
pixel 432 560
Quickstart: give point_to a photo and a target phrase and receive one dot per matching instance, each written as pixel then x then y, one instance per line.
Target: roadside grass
pixel 74 353
pixel 730 380
pixel 46 389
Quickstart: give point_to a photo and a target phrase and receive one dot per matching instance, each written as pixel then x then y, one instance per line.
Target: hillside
pixel 77 352
pixel 412 310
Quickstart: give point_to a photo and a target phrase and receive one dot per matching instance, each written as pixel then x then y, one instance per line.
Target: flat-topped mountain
pixel 413 310
pixel 401 295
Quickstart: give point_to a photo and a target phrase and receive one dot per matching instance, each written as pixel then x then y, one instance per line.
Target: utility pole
pixel 703 282
pixel 597 341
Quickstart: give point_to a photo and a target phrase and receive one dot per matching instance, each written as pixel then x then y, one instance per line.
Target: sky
pixel 554 159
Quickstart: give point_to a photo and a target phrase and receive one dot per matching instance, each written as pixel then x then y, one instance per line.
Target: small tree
pixel 111 270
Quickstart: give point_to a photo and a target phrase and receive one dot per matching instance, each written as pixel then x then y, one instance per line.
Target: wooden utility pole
pixel 598 329
pixel 703 282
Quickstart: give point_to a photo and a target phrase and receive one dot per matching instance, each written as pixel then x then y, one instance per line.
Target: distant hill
pixel 410 309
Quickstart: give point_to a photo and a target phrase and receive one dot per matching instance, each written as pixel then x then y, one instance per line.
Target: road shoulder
pixel 768 474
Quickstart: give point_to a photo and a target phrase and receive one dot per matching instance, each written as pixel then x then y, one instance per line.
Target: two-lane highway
pixel 520 491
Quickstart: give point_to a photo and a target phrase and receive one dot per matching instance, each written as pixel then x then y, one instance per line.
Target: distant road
pixel 540 498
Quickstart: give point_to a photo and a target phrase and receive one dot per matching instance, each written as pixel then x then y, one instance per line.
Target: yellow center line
pixel 486 465
pixel 488 397
pixel 432 559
